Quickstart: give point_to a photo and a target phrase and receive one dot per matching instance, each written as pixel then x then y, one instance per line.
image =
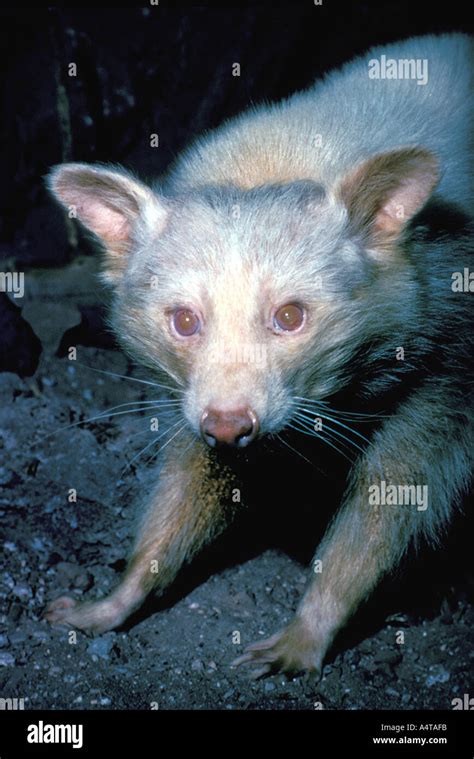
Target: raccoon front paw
pixel 291 650
pixel 92 616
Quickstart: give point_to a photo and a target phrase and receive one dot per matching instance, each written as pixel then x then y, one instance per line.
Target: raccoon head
pixel 252 299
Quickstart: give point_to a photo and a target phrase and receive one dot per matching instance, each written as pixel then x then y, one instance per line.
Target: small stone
pixel 38 544
pixel 66 571
pixel 83 580
pixel 367 664
pixel 269 687
pixel 438 675
pixel 38 637
pixel 23 591
pixel 18 637
pixel 3 640
pixel 6 476
pixel 6 659
pixel 366 647
pixel 101 647
pixel 390 657
pixel 15 613
pixel 197 665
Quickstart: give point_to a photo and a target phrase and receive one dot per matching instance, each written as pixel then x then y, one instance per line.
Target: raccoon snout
pixel 237 428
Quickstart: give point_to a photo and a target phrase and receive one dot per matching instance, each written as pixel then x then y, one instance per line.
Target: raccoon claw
pixel 94 617
pixel 291 651
pixel 57 611
pixel 259 654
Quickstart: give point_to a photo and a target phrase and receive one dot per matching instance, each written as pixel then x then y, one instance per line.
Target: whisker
pixel 132 379
pixel 332 431
pixel 140 432
pixel 336 436
pixel 191 442
pixel 137 434
pixel 344 414
pixel 313 433
pixel 334 421
pixel 149 445
pixel 341 415
pixel 163 401
pixel 309 424
pixel 169 441
pixel 102 415
pixel 293 449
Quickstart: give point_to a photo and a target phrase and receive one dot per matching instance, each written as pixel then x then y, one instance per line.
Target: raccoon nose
pixel 238 427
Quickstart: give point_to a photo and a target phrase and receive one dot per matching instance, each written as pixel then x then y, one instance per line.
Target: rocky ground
pixel 410 647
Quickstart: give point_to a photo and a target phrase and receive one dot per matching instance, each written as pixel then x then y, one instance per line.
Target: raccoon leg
pixel 415 447
pixel 191 504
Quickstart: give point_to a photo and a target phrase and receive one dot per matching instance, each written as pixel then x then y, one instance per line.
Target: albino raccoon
pixel 302 265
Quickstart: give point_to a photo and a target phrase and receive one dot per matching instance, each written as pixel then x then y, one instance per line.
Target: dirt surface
pixel 410 647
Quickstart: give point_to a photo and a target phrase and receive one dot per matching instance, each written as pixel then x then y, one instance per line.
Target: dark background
pixel 150 69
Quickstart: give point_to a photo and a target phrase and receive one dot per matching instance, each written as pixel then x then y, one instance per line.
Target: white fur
pixel 356 117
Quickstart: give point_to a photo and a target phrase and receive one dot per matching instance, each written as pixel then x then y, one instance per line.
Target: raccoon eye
pixel 186 322
pixel 289 318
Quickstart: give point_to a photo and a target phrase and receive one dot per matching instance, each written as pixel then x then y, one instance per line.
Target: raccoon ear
pixel 110 203
pixel 387 190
